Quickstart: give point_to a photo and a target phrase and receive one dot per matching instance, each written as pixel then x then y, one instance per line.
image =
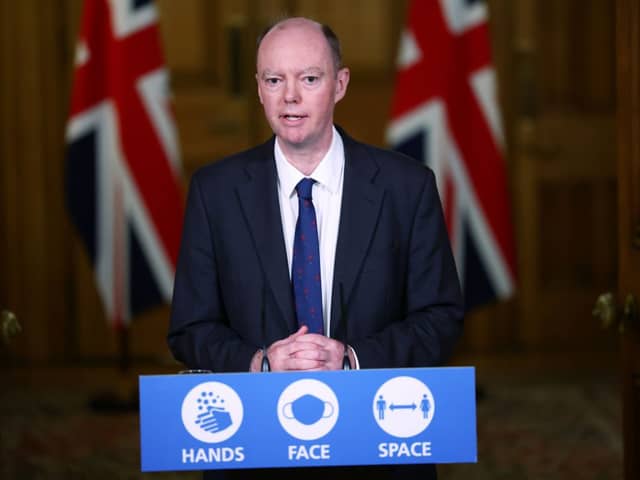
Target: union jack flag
pixel 123 170
pixel 445 114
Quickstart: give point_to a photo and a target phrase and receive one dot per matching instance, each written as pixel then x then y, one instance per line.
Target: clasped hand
pixel 303 351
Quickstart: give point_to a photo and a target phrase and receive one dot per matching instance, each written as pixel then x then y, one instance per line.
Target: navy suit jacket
pixel 394 273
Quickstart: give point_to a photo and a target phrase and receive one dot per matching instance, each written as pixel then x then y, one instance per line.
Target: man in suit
pixel 388 291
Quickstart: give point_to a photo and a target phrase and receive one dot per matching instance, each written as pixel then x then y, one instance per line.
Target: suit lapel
pixel 259 200
pixel 361 202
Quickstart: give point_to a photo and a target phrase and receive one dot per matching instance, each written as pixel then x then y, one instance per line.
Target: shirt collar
pixel 327 174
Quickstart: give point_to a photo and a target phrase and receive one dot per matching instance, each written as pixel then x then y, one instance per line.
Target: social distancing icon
pixel 403 407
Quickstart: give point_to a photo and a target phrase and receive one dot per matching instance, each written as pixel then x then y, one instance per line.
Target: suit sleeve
pixel 429 316
pixel 199 333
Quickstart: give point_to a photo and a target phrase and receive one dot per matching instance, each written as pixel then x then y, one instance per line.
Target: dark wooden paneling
pixel 564 154
pixel 628 121
pixel 32 130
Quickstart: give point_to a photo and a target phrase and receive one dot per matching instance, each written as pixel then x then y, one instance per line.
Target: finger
pixel 319 355
pixel 294 336
pixel 294 363
pixel 327 350
pixel 314 338
pixel 298 346
pixel 291 338
pixel 320 341
pixel 303 330
pixel 280 359
pixel 282 350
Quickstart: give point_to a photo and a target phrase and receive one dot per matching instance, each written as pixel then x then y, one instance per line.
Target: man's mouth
pixel 292 116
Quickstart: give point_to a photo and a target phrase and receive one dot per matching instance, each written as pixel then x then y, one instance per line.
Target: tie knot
pixel 304 188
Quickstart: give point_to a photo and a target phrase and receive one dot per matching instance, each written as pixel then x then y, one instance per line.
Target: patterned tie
pixel 305 266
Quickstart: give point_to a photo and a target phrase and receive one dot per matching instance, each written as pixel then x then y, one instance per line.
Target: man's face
pixel 298 86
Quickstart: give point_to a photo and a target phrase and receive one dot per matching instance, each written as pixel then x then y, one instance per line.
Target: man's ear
pixel 342 81
pixel 258 85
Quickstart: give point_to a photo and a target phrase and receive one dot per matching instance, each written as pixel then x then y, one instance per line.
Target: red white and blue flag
pixel 445 114
pixel 123 170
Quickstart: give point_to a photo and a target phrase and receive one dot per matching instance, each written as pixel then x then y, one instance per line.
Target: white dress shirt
pixel 327 201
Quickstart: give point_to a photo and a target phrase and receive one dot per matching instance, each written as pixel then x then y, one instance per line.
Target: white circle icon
pixel 212 412
pixel 308 409
pixel 403 407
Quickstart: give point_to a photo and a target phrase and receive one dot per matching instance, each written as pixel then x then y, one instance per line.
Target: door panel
pixel 628 46
pixel 565 170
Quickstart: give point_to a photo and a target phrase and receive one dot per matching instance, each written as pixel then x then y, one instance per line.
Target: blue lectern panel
pixel 362 417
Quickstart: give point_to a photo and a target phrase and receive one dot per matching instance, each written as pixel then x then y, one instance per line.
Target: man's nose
pixel 291 93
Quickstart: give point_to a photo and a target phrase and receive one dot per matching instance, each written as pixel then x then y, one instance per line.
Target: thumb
pixel 291 338
pixel 303 330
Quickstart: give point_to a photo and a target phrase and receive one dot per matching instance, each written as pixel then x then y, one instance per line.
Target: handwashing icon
pixel 307 409
pixel 212 412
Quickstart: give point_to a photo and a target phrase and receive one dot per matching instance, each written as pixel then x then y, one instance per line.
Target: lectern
pixel 296 419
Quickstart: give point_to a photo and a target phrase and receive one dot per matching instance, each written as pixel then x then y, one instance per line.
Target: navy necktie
pixel 305 268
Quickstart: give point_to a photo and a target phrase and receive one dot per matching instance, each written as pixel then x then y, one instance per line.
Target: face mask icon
pixel 307 409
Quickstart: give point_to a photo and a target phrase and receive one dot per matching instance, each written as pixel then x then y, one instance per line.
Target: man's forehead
pixel 296 55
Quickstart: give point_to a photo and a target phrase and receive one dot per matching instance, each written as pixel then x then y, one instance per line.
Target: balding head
pixel 331 38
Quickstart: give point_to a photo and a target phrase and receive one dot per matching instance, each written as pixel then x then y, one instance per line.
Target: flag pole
pixel 124 398
pixel 124 352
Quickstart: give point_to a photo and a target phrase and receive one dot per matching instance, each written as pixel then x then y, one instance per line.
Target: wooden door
pixel 628 63
pixel 563 118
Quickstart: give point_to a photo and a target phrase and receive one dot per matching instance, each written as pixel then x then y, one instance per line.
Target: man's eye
pixel 272 81
pixel 311 79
